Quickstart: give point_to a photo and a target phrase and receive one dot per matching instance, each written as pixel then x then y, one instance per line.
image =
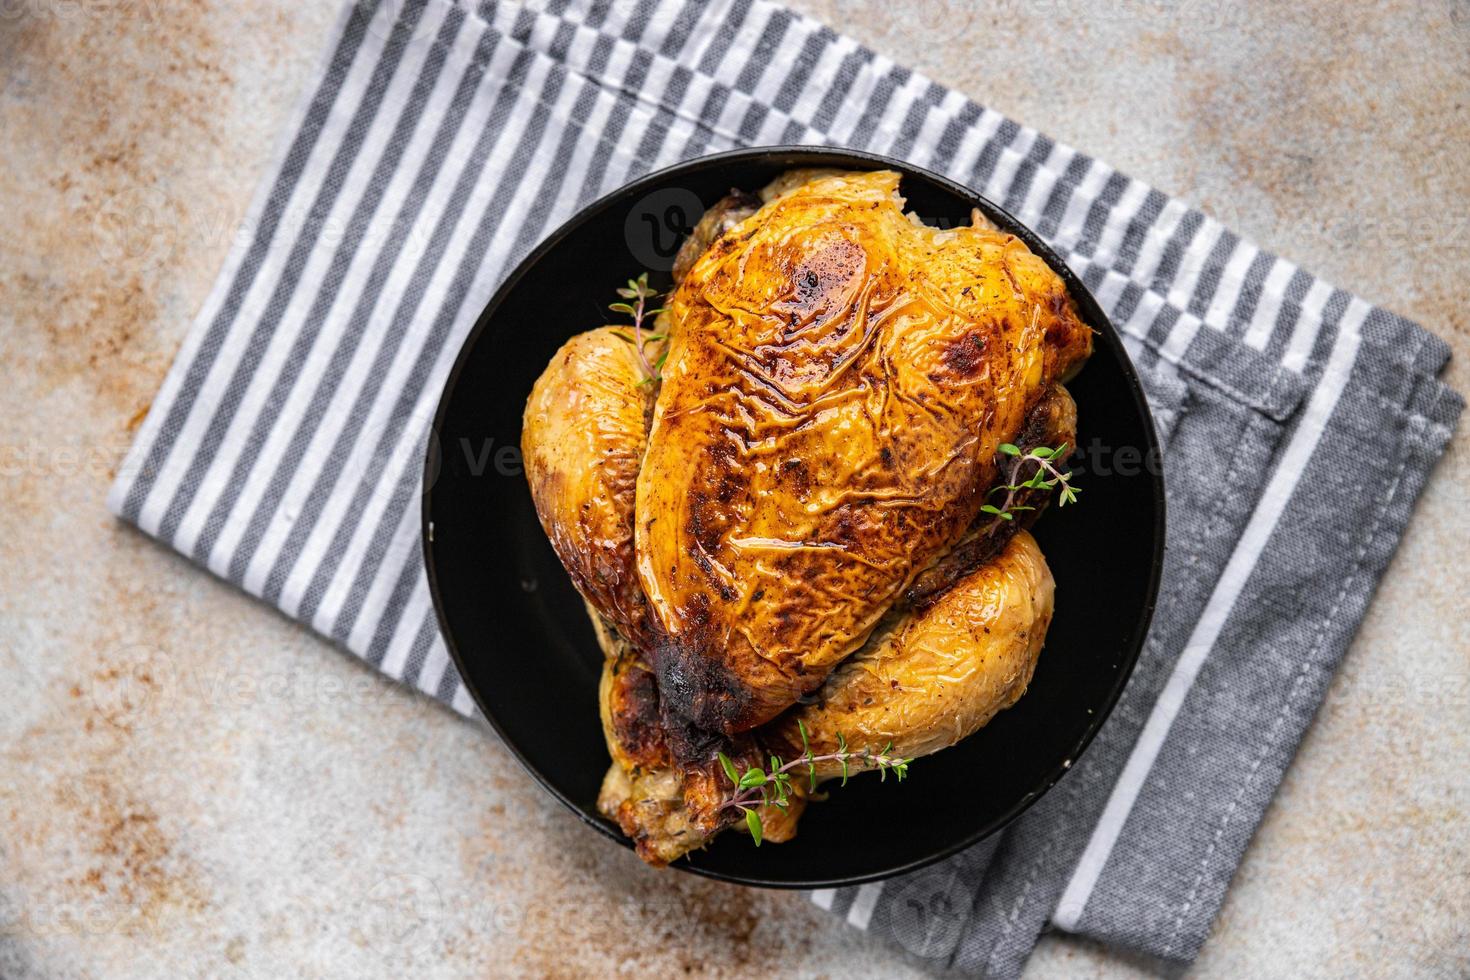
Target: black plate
pixel 520 637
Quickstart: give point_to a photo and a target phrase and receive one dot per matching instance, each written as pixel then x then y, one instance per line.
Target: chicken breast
pixel 838 380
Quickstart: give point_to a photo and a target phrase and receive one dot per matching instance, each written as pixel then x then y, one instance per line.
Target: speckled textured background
pixel 191 785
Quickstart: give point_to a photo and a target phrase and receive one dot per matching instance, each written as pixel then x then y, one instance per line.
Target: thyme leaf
pixel 640 310
pixel 761 786
pixel 1046 476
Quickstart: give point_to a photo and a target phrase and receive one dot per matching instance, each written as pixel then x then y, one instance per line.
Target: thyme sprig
pixel 759 786
pixel 640 295
pixel 1046 476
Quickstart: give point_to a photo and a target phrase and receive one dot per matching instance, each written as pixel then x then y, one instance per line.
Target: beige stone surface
pixel 191 785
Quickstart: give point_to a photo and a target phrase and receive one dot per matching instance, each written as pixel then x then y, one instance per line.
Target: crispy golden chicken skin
pixel 840 394
pixel 582 441
pixel 1052 422
pixel 583 437
pixel 1005 601
pixel 927 680
pixel 838 380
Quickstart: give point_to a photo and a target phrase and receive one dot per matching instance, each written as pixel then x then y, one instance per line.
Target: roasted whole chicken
pixel 787 535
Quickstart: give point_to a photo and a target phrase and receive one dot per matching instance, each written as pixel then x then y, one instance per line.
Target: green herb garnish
pixel 636 297
pixel 759 786
pixel 1045 476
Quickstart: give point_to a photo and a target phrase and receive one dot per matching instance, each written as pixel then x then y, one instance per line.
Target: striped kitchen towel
pixel 442 139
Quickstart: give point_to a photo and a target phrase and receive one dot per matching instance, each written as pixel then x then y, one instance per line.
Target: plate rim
pixel 845 158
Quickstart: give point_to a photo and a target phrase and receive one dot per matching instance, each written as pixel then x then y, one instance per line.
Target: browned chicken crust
pixel 583 436
pixel 838 380
pixel 1052 422
pixel 927 680
pixel 924 681
pixel 958 638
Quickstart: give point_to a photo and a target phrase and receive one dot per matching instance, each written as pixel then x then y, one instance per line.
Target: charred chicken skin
pixel 791 511
pixel 838 381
